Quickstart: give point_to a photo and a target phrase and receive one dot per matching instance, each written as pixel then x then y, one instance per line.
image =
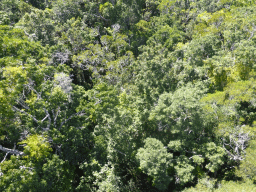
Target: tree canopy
pixel 125 95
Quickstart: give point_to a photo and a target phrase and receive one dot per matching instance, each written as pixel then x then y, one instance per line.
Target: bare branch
pixel 252 33
pixel 236 143
pixel 16 109
pixel 5 157
pixel 61 57
pixel 23 167
pixel 49 117
pixel 119 151
pixel 55 116
pixel 11 151
pixel 44 118
pixel 99 16
pixel 99 101
pixel 80 113
pixel 30 86
pixel 22 103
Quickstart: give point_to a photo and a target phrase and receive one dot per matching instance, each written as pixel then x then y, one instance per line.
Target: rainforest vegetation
pixel 127 95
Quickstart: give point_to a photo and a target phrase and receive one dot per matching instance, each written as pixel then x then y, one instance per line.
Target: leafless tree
pixel 236 143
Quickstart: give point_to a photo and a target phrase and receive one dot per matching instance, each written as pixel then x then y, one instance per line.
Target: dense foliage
pixel 126 95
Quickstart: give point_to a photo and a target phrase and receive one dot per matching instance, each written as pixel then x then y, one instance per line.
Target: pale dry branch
pixel 11 151
pixel 17 109
pixel 80 113
pixel 236 143
pixel 5 157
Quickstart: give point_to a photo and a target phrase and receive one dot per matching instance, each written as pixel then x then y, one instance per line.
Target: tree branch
pixel 11 151
pixel 55 116
pixel 237 144
pixel 50 120
pixel 16 109
pixel 119 151
pixel 30 86
pixel 76 114
pixel 21 102
pixel 23 167
pixel 5 157
pixel 99 16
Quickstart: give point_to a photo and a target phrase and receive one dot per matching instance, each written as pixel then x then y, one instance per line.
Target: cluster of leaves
pixel 148 95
